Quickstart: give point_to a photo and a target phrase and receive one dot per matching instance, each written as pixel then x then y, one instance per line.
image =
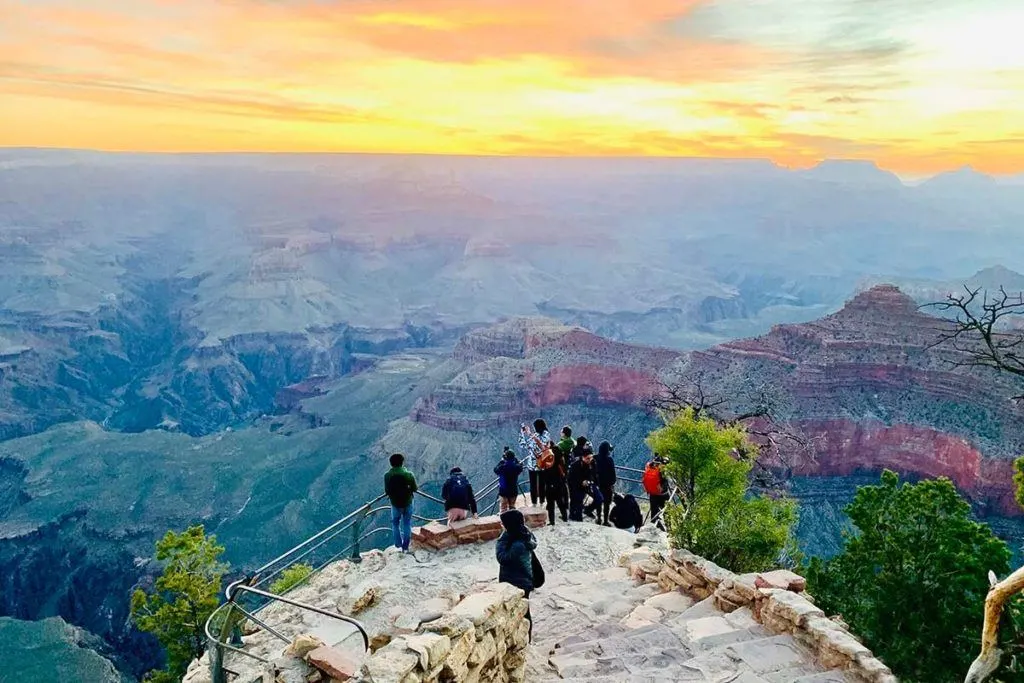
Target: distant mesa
pixel 852 171
pixel 965 179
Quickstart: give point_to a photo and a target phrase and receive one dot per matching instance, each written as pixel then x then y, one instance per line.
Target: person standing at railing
pixel 554 486
pixel 536 446
pixel 566 443
pixel 459 500
pixel 583 481
pixel 508 471
pixel 399 486
pixel 656 485
pixel 606 475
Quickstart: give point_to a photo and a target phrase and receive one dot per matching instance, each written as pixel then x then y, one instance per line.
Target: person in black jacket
pixel 554 486
pixel 508 471
pixel 626 513
pixel 457 492
pixel 583 480
pixel 514 552
pixel 607 477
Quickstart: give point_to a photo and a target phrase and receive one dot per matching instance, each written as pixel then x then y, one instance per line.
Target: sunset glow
pixel 917 85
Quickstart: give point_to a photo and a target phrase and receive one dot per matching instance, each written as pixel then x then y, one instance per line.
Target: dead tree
pixel 978 330
pixel 776 444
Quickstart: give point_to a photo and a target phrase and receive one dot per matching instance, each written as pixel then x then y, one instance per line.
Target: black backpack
pixel 458 488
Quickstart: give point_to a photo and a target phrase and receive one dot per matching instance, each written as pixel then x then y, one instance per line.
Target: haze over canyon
pixel 239 340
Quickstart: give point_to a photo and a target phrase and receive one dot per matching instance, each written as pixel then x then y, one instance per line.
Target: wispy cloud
pixel 797 80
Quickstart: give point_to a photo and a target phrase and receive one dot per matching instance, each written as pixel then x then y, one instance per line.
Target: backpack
pixel 652 480
pixel 458 488
pixel 398 487
pixel 546 457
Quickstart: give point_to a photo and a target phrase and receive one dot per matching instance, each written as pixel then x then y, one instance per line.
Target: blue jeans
pixel 401 525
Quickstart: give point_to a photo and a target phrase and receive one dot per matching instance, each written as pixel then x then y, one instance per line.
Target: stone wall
pixel 483 639
pixel 777 600
pixel 440 536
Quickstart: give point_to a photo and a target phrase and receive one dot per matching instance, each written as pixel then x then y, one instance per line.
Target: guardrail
pixel 247 597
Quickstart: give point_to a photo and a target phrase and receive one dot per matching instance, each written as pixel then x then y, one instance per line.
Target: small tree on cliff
pixel 185 595
pixel 912 580
pixel 716 517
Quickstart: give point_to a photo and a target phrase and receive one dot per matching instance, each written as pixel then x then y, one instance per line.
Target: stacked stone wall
pixel 777 600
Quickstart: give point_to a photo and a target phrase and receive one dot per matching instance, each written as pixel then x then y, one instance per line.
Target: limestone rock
pixel 782 578
pixel 432 648
pixel 390 664
pixel 337 665
pixel 302 644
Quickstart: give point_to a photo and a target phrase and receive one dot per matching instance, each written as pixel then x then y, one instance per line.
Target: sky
pixel 919 86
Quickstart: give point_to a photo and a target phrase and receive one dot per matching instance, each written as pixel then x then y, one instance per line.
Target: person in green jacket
pixel 400 485
pixel 566 444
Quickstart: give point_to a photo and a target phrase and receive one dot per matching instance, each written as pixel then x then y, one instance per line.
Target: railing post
pixel 216 655
pixel 357 532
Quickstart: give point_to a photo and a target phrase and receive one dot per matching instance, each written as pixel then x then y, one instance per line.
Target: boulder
pixel 432 648
pixel 481 608
pixel 782 578
pixel 390 664
pixel 302 644
pixel 337 665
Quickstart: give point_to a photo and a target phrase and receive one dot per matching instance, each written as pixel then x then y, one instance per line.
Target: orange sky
pixel 917 85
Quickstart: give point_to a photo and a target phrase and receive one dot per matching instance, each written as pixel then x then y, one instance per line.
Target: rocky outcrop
pixel 870 390
pixel 523 366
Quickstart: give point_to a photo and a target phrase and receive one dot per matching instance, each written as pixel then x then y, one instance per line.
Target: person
pixel 514 552
pixel 533 445
pixel 606 474
pixel 582 480
pixel 554 486
pixel 656 486
pixel 578 449
pixel 566 443
pixel 626 513
pixel 400 485
pixel 459 500
pixel 508 471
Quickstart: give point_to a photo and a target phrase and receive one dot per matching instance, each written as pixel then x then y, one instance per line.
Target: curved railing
pixel 248 597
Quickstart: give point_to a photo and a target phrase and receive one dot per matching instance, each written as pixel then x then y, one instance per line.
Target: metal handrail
pixel 311 608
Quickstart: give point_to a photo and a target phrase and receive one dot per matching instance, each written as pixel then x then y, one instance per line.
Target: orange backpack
pixel 652 480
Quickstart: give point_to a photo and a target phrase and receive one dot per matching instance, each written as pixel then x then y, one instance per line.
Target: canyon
pixel 241 340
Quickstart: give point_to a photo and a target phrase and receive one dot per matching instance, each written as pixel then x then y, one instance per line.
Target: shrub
pixel 290 577
pixel 717 517
pixel 912 580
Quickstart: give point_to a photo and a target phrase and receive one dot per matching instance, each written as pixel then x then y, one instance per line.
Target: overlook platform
pixel 616 607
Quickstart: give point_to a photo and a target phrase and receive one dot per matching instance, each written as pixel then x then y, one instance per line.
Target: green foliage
pixel 912 581
pixel 290 577
pixel 717 519
pixel 1018 481
pixel 185 595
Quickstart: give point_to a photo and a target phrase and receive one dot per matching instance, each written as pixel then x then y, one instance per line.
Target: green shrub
pixel 290 577
pixel 912 580
pixel 717 517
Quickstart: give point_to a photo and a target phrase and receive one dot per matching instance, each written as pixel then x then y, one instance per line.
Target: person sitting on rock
pixel 514 552
pixel 400 485
pixel 606 474
pixel 457 492
pixel 583 481
pixel 626 513
pixel 508 471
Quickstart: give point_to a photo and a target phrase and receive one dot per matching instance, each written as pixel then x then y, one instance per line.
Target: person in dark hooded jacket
pixel 583 480
pixel 457 493
pixel 605 465
pixel 508 471
pixel 514 552
pixel 626 513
